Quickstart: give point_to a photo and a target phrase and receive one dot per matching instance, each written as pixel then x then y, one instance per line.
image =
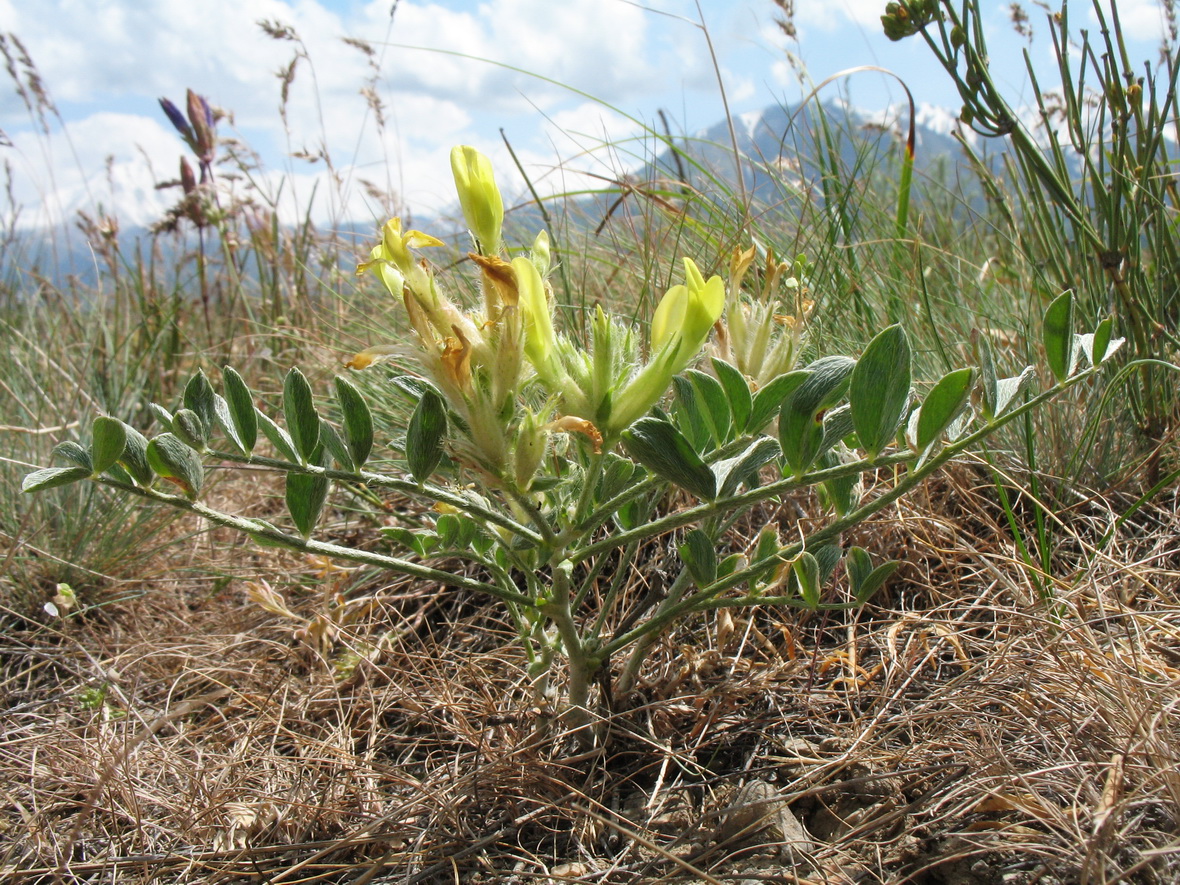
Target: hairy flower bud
pixel 540 254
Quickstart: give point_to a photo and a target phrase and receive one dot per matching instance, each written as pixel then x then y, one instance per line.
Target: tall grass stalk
pixel 1095 169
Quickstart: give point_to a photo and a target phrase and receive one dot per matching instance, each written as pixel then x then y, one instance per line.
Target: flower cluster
pixel 906 18
pixel 758 336
pixel 513 379
pixel 199 131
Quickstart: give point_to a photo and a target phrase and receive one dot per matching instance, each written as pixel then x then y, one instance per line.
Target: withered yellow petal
pixel 370 355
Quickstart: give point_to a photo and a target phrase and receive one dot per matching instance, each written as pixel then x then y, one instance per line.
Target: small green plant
pixel 548 461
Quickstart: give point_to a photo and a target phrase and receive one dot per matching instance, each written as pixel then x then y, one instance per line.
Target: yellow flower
pixel 371 355
pixel 681 325
pixel 686 314
pixel 392 259
pixel 483 207
pixel 539 337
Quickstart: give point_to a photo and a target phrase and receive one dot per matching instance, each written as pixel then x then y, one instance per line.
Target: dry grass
pixel 960 730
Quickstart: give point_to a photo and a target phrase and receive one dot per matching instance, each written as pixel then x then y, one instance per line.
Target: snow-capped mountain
pixel 787 148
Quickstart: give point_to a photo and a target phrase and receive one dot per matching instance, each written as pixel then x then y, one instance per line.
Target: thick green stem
pixel 589 482
pixel 582 661
pixel 695 515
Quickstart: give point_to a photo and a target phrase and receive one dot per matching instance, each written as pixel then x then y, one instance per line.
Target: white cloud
pixel 504 47
pixel 833 14
pixel 105 159
pixel 444 73
pixel 1140 19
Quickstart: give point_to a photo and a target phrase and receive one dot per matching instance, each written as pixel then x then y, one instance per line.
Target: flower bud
pixel 483 207
pixel 686 314
pixel 188 180
pixel 540 254
pixel 177 119
pixel 531 441
pixel 200 115
pixel 681 324
pixel 539 337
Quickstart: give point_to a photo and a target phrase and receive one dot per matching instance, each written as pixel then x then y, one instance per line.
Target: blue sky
pixel 446 72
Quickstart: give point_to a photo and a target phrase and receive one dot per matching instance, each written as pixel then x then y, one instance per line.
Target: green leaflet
pixel 134 458
pixel 356 420
pixel 863 578
pixel 303 423
pixel 987 371
pixel 75 454
pixel 879 392
pixel 278 437
pixel 240 405
pixel 336 447
pixel 806 573
pixel 691 413
pixel 1100 345
pixel 1057 335
pixel 226 422
pixel 176 462
pixel 699 555
pixel 800 423
pixel 744 467
pixel 163 416
pixel 842 493
pixel 737 394
pixel 664 450
pixel 716 410
pixel 767 400
pixel 198 396
pixel 52 477
pixel 615 476
pixel 306 494
pixel 425 434
pixel 190 429
pixel 942 406
pixel 108 438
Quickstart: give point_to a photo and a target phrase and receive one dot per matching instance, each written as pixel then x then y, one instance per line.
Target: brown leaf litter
pixel 961 729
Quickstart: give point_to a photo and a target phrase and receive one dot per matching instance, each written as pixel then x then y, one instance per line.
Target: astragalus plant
pixel 547 462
